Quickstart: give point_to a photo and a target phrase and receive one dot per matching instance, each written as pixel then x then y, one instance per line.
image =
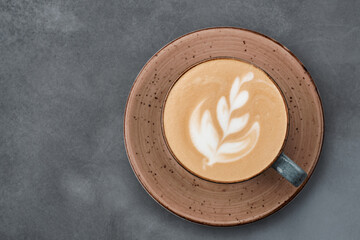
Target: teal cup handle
pixel 289 170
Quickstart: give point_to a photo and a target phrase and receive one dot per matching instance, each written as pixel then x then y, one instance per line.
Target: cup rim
pixel 209 179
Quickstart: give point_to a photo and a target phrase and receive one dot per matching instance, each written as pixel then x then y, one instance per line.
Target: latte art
pixel 225 120
pixel 207 140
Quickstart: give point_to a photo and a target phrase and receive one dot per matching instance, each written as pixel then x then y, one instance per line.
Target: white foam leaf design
pixel 196 134
pixel 205 136
pixel 240 100
pixel 208 131
pixel 237 124
pixel 222 112
pixel 234 89
pixel 248 77
pixel 235 147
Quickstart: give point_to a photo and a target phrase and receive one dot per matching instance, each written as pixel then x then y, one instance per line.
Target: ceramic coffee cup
pixel 224 160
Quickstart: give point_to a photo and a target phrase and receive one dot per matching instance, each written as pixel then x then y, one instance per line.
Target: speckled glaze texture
pixel 178 190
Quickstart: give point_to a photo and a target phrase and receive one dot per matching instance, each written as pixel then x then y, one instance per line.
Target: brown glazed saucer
pixel 174 187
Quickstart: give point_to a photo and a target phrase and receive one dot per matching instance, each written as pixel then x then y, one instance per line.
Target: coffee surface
pixel 225 120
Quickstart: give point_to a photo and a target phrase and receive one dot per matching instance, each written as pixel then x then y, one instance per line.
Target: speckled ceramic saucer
pixel 191 197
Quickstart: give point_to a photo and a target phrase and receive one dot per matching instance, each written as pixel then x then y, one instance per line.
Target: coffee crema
pixel 225 120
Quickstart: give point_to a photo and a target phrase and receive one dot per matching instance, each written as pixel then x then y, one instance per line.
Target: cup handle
pixel 289 170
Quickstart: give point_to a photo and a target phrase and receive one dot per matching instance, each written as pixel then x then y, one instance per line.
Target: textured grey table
pixel 66 68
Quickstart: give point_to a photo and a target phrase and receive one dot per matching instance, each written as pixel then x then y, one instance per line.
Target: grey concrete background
pixel 66 68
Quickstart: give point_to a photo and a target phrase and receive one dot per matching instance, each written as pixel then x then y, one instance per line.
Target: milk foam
pixel 213 145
